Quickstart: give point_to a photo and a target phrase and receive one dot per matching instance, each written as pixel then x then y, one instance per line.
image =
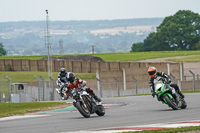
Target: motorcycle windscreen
pixel 158 86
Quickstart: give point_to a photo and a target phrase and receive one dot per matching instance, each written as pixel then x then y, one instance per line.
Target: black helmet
pixel 71 77
pixel 63 72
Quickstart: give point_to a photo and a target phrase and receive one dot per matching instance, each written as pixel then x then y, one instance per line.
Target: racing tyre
pixel 184 104
pixel 171 102
pixel 100 110
pixel 81 108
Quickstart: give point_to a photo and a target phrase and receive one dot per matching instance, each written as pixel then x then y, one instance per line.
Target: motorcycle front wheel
pixel 171 102
pixel 82 109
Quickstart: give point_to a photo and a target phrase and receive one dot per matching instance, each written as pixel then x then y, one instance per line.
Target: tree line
pixel 178 32
pixel 2 50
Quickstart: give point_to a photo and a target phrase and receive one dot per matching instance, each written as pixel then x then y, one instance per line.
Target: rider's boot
pixel 97 98
pixel 62 96
pixel 59 91
pixel 177 98
pixel 178 91
pixel 181 94
pixel 175 95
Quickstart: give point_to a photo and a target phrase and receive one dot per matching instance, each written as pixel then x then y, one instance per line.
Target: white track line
pixel 142 127
pixel 20 117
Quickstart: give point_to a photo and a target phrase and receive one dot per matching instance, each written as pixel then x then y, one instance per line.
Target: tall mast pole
pixel 48 43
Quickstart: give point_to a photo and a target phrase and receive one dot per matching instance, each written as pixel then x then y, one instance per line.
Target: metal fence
pixel 21 92
pixel 195 78
pixel 13 92
pixel 108 87
pixel 46 89
pixel 190 82
pixel 117 87
pixel 5 89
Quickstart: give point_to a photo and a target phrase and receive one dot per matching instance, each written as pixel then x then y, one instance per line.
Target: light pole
pixel 47 43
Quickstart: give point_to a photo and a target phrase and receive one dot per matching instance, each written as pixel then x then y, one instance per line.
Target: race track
pixel 120 112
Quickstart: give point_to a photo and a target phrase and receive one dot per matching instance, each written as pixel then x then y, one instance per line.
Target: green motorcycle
pixel 165 94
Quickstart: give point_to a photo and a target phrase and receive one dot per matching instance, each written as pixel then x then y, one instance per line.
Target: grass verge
pixel 190 91
pixel 187 59
pixel 28 76
pixel 131 56
pixel 172 130
pixel 136 56
pixel 9 109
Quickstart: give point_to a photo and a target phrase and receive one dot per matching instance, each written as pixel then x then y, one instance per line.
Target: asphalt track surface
pixel 120 112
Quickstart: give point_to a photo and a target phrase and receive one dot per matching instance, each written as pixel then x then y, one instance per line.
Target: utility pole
pixel 47 43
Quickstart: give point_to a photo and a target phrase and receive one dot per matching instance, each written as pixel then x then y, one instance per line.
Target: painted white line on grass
pixel 20 117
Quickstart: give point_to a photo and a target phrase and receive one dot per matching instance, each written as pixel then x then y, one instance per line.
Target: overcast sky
pixel 34 10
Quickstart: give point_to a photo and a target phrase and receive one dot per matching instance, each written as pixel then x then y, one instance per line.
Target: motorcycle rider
pixel 155 76
pixel 62 81
pixel 78 83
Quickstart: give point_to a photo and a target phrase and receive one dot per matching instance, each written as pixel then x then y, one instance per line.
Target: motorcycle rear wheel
pixel 184 104
pixel 84 111
pixel 171 103
pixel 100 111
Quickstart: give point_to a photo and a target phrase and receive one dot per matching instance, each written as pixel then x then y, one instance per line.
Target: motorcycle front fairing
pixel 162 90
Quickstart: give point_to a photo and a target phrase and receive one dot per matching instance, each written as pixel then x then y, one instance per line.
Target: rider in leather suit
pixel 62 81
pixel 77 82
pixel 155 76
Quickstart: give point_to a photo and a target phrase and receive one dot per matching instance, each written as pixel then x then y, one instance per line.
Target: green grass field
pixel 195 58
pixel 29 76
pixel 136 56
pixel 133 56
pixel 7 109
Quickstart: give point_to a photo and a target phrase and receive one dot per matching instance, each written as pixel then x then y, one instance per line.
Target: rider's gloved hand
pixel 169 81
pixel 62 84
pixel 83 84
pixel 153 94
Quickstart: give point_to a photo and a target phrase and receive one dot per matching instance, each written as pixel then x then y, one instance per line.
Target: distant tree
pixel 137 47
pixel 2 50
pixel 156 42
pixel 198 46
pixel 178 32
